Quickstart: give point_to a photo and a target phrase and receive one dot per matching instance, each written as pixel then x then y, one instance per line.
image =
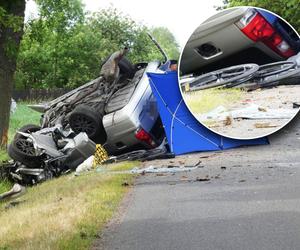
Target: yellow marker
pixel 100 155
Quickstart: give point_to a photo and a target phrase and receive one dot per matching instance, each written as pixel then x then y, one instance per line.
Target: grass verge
pixel 64 213
pixel 206 100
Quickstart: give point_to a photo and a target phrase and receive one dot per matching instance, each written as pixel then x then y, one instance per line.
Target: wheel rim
pixel 26 147
pixel 81 123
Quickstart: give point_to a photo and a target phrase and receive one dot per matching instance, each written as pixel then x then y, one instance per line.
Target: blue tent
pixel 184 133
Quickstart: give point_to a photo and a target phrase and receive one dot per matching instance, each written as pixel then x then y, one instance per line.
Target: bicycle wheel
pixel 231 76
pixel 274 68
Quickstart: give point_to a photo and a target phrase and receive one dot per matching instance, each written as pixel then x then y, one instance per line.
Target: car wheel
pixel 29 128
pixel 22 150
pixel 232 76
pixel 86 119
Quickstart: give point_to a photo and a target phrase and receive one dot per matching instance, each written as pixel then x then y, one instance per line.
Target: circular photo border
pixel 181 91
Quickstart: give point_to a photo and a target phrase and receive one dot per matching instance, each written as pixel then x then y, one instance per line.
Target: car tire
pixel 86 119
pixel 29 128
pixel 17 151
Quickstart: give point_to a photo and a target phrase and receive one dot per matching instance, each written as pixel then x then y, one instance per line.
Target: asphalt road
pixel 250 200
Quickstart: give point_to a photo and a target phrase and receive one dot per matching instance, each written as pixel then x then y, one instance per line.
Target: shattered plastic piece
pixel 85 166
pixel 16 190
pixel 13 106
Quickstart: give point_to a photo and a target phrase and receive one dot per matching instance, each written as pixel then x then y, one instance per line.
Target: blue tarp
pixel 184 133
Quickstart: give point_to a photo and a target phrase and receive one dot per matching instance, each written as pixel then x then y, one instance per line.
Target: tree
pixel 167 40
pixel 63 50
pixel 11 27
pixel 289 10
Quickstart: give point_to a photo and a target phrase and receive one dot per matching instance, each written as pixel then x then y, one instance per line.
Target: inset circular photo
pixel 239 73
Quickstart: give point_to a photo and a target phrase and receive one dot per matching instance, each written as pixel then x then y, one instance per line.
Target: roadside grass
pixel 64 213
pixel 5 185
pixel 206 100
pixel 21 117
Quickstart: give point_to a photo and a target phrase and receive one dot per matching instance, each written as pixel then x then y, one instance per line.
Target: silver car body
pixel 139 112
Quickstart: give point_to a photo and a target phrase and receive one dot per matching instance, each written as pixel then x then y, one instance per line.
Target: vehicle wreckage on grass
pixel 118 113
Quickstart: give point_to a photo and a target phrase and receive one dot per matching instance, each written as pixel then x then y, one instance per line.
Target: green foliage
pixel 10 21
pixel 65 48
pixel 14 23
pixel 167 40
pixel 289 10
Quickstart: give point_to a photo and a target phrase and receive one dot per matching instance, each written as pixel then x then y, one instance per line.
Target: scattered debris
pixel 265 125
pixel 251 111
pixel 262 109
pixel 16 191
pixel 206 178
pixel 125 183
pixel 85 166
pixel 198 164
pixel 223 167
pixel 228 121
pixel 153 169
pixel 206 156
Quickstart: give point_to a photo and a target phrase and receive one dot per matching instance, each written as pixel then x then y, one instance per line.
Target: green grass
pixel 21 117
pixel 4 186
pixel 64 213
pixel 206 100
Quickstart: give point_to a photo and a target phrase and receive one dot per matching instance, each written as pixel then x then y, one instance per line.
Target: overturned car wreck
pixel 118 112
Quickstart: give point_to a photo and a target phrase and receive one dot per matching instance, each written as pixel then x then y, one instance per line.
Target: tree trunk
pixel 9 45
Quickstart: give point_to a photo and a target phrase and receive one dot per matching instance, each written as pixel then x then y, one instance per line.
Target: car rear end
pixel 237 36
pixel 131 124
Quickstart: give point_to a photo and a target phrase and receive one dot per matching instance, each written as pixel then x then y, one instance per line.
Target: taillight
pixel 144 136
pixel 257 28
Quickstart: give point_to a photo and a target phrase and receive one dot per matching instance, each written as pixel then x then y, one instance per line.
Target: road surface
pixel 246 198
